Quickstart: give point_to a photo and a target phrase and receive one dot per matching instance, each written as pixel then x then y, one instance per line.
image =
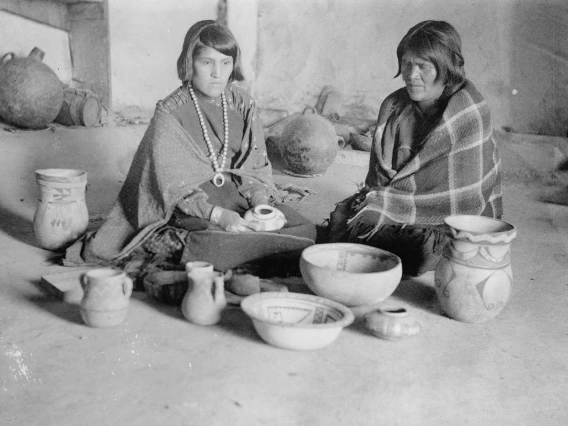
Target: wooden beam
pixel 47 12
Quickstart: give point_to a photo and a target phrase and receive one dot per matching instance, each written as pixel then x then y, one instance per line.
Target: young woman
pixel 433 155
pixel 201 165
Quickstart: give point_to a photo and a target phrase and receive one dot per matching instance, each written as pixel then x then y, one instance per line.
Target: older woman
pixel 433 155
pixel 201 165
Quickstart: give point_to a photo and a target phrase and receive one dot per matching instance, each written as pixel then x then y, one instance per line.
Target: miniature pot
pixel 106 297
pixel 392 323
pixel 204 302
pixel 268 217
pixel 474 277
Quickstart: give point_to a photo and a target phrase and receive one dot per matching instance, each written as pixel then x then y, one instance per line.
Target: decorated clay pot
pixel 61 216
pixel 474 277
pixel 31 94
pixel 204 302
pixel 392 323
pixel 106 297
pixel 308 145
pixel 268 217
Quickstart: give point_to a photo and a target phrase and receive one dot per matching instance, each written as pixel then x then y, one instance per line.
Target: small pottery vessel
pixel 308 145
pixel 31 94
pixel 205 300
pixel 474 277
pixel 268 217
pixel 61 216
pixel 392 323
pixel 198 265
pixel 106 297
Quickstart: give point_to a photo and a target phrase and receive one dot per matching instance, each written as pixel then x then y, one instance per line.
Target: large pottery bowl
pixel 296 321
pixel 351 274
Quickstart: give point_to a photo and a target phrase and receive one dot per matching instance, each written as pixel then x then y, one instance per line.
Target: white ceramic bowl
pixel 269 218
pixel 296 321
pixel 351 274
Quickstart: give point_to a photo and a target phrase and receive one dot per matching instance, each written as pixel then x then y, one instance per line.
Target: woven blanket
pixel 168 166
pixel 455 171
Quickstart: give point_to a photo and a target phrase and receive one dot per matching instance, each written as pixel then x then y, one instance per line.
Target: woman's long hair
pixel 212 34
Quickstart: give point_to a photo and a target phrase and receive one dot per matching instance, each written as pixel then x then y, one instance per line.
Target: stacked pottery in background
pixel 61 216
pixel 474 278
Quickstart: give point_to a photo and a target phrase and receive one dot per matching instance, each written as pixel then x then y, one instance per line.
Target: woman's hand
pixel 231 221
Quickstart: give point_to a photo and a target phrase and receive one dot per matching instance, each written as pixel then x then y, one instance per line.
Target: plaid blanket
pixel 168 166
pixel 455 171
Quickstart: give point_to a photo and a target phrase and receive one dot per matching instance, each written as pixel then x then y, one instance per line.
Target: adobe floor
pixel 156 368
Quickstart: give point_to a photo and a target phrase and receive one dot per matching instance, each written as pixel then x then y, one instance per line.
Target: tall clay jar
pixel 474 278
pixel 61 216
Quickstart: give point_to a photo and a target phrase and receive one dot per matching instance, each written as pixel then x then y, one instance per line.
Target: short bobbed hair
pixel 439 43
pixel 212 34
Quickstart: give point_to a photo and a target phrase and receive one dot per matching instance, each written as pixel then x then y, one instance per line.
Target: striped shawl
pixel 455 171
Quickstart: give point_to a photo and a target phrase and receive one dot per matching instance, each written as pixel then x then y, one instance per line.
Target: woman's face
pixel 419 75
pixel 211 72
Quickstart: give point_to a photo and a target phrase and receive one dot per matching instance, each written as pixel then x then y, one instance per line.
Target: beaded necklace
pixel 219 178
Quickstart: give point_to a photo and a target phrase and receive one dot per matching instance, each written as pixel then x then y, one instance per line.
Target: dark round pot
pixel 308 145
pixel 31 94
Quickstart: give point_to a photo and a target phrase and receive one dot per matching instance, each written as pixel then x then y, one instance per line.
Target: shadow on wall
pixel 539 67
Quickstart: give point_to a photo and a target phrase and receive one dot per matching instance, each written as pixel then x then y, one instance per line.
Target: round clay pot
pixel 474 278
pixel 31 94
pixel 308 145
pixel 392 323
pixel 268 217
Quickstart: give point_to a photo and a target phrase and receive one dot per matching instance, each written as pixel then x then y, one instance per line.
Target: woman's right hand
pixel 231 221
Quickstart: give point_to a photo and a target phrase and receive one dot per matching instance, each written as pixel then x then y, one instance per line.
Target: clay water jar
pixel 474 278
pixel 61 216
pixel 205 301
pixel 31 94
pixel 106 297
pixel 308 145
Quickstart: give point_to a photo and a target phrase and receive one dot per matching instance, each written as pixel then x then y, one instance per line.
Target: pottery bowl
pixel 166 286
pixel 296 321
pixel 351 274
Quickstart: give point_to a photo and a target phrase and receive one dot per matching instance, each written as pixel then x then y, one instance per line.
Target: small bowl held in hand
pixel 269 218
pixel 296 321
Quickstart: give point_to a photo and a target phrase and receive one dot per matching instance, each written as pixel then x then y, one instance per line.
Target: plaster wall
pixel 146 40
pixel 20 35
pixel 513 51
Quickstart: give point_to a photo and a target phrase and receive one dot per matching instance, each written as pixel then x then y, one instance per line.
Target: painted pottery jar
pixel 204 302
pixel 308 145
pixel 268 217
pixel 31 94
pixel 392 323
pixel 106 297
pixel 474 278
pixel 61 216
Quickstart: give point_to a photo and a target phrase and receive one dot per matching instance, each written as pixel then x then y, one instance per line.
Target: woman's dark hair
pixel 208 34
pixel 439 43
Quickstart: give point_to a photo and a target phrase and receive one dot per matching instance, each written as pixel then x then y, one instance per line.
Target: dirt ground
pixel 156 368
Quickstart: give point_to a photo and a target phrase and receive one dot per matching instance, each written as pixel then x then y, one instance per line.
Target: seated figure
pixel 200 166
pixel 433 155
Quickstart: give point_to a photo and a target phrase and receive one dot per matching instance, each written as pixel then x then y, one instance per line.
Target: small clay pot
pixel 392 323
